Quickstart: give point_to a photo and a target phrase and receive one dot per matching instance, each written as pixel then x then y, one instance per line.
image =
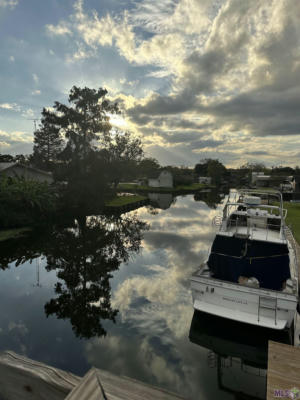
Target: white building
pixel 260 179
pixel 13 170
pixel 165 179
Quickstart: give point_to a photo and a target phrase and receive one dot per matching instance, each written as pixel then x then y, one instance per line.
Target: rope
pixel 251 258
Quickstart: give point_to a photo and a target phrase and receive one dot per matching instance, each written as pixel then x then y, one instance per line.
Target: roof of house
pixel 6 165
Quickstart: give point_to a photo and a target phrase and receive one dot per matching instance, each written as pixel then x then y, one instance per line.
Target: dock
pixel 24 379
pixel 283 371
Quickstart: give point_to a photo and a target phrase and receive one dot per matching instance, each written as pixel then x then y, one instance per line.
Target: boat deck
pixel 254 233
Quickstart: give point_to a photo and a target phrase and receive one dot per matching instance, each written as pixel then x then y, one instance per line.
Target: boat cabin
pixel 250 247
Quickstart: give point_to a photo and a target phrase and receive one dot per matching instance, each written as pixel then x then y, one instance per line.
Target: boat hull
pixel 260 307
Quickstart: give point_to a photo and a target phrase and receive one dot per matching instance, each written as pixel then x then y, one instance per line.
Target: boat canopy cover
pixel 232 257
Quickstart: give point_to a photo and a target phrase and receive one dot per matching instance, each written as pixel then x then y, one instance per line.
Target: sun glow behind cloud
pixel 195 79
pixel 118 121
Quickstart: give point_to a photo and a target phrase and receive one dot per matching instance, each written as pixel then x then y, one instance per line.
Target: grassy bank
pixel 293 218
pixel 131 187
pixel 13 233
pixel 121 201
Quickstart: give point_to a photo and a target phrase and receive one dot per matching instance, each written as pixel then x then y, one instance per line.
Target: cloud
pixel 28 113
pixel 16 142
pixel 19 327
pixel 233 65
pixel 16 137
pixel 9 3
pixel 10 106
pixel 4 144
pixel 257 153
pixel 58 30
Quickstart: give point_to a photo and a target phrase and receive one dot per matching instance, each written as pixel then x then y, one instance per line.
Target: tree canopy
pixel 47 144
pixel 211 168
pixel 78 141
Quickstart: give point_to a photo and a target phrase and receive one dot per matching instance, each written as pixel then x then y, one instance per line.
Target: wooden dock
pixel 283 370
pixel 24 379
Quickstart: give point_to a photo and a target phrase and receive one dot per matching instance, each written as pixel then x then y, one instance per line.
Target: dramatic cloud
pixel 194 78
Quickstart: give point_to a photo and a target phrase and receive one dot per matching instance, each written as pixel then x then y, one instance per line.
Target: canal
pixel 114 292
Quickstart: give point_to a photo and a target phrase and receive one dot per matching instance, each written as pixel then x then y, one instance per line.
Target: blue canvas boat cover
pixel 232 258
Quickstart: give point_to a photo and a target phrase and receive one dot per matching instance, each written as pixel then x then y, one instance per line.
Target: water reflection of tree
pixel 22 249
pixel 212 198
pixel 85 257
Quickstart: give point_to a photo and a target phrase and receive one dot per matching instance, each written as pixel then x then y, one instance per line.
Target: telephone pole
pixel 34 121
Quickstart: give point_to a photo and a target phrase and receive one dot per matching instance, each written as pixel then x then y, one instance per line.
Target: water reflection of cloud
pixel 150 341
pixel 180 245
pixel 152 355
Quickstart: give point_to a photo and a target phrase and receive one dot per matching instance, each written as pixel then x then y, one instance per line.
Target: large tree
pixel 212 168
pixel 47 144
pixel 124 152
pixel 148 167
pixel 84 122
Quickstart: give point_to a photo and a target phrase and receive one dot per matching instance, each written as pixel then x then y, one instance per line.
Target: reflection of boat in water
pixel 238 352
pixel 251 274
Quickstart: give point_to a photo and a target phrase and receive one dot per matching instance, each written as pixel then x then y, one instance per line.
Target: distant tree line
pixel 89 157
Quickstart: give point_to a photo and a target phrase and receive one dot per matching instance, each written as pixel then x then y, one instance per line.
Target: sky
pixel 195 79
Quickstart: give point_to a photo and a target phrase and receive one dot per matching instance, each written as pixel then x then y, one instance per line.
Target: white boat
pixel 251 274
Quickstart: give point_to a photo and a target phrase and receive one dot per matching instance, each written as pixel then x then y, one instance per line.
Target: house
pixel 13 170
pixel 165 179
pixel 205 179
pixel 284 183
pixel 259 179
pixel 287 186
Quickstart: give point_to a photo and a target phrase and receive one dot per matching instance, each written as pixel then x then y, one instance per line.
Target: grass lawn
pixel 13 233
pixel 293 218
pixel 133 187
pixel 124 200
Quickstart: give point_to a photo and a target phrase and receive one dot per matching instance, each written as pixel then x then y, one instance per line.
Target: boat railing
pixel 236 196
pixel 252 226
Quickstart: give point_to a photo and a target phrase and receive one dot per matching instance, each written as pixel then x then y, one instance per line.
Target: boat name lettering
pixel 235 300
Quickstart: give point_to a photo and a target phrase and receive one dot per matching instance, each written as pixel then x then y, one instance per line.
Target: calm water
pixel 50 308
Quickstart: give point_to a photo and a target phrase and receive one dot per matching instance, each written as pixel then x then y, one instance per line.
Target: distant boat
pixel 251 274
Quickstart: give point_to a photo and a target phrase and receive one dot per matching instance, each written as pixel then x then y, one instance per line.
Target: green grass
pixel 124 200
pixel 293 218
pixel 13 233
pixel 143 188
pixel 263 190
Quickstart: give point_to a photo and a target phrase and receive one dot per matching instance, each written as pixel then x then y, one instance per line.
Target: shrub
pixel 25 202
